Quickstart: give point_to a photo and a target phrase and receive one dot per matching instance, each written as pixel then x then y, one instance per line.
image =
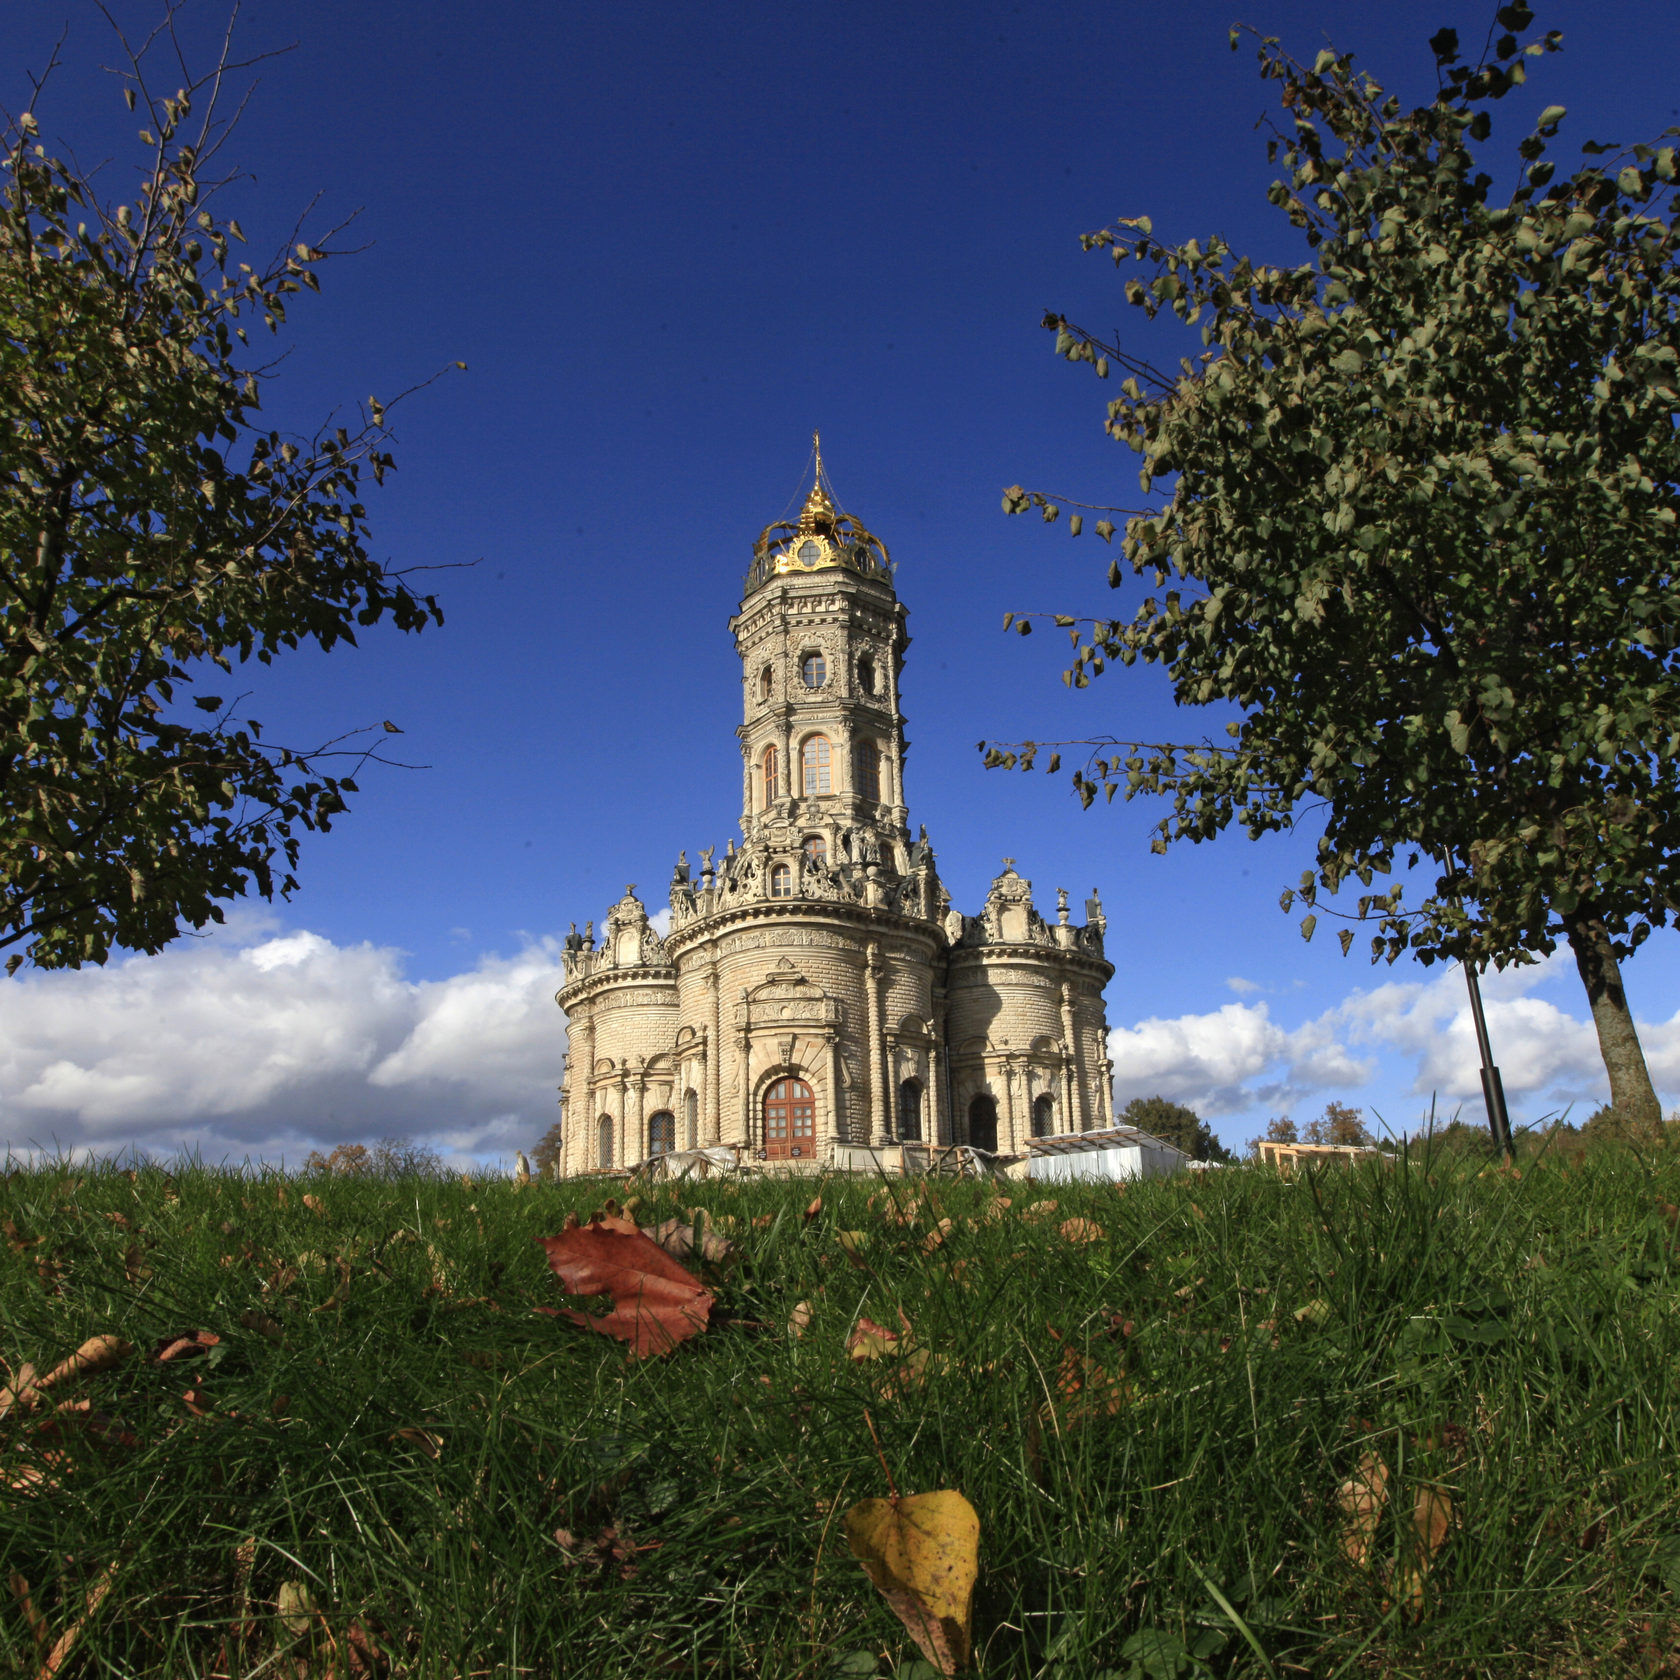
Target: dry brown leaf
pixel 97 1353
pixel 936 1237
pixel 656 1303
pixel 187 1343
pixel 799 1320
pixel 315 1205
pixel 262 1324
pixel 1082 1231
pixel 870 1340
pixel 26 1603
pixel 813 1209
pixel 680 1240
pixel 19 1390
pixel 341 1289
pixel 923 1554
pixel 66 1643
pixel 1360 1500
pixel 427 1440
pixel 852 1245
pixel 1039 1210
pixel 135 1268
pixel 1431 1518
pixel 1083 1390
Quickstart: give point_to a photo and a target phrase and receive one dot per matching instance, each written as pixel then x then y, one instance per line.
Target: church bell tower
pixel 821 635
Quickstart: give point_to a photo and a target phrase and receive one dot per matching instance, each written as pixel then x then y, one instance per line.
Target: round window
pixel 809 553
pixel 813 670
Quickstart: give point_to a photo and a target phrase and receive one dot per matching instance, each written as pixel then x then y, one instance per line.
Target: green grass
pixel 1512 1342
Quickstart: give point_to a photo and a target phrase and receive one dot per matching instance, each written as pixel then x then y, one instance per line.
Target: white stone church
pixel 817 1002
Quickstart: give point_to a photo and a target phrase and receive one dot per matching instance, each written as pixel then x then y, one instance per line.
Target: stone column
pixel 834 1085
pixel 1078 1121
pixel 640 1138
pixel 713 1127
pixel 1010 1128
pixel 622 1118
pixel 744 1073
pixel 937 1121
pixel 874 976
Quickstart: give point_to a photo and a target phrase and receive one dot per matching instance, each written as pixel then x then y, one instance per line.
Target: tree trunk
pixel 1632 1095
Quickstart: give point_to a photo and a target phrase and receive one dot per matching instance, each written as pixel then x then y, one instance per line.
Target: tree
pixel 545 1155
pixel 1418 528
pixel 153 534
pixel 1173 1123
pixel 1341 1125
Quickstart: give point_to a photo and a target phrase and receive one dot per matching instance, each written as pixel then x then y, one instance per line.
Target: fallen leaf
pixel 197 1402
pixel 936 1237
pixel 315 1205
pixel 427 1440
pixel 1315 1312
pixel 799 1320
pixel 656 1303
pixel 19 1391
pixel 60 1653
pixel 923 1554
pixel 1082 1231
pixel 296 1608
pixel 1360 1499
pixel 1083 1389
pixel 26 1603
pixel 852 1245
pixel 813 1209
pixel 97 1353
pixel 870 1340
pixel 262 1324
pixel 1431 1518
pixel 135 1268
pixel 188 1342
pixel 341 1289
pixel 677 1239
pixel 1039 1210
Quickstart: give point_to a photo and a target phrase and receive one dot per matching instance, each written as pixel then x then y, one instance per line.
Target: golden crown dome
pixel 821 539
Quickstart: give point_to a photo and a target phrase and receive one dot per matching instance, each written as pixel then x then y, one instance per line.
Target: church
pixel 816 1001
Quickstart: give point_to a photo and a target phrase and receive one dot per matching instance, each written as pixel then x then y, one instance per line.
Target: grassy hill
pixel 1413 1419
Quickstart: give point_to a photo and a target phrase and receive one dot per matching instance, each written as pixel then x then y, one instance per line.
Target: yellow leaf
pixel 799 1319
pixel 923 1553
pixel 1361 1499
pixel 1082 1231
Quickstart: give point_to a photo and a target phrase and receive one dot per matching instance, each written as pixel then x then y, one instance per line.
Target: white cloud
pixel 1242 987
pixel 1413 1037
pixel 252 1042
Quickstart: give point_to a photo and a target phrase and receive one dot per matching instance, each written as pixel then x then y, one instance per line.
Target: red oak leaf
pixel 656 1303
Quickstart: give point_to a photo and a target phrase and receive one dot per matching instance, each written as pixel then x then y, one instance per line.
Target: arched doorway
pixel 603 1141
pixel 662 1132
pixel 910 1111
pixel 790 1121
pixel 1044 1115
pixel 982 1123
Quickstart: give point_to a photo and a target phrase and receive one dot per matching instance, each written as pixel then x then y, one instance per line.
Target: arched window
pixel 603 1141
pixel 866 770
pixel 982 1123
pixel 816 849
pixel 766 683
pixel 814 762
pixel 781 881
pixel 866 675
pixel 691 1113
pixel 813 670
pixel 1044 1115
pixel 772 776
pixel 662 1132
pixel 910 1111
pixel 790 1121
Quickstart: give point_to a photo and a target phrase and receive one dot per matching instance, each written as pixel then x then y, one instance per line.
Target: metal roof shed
pixel 1119 1152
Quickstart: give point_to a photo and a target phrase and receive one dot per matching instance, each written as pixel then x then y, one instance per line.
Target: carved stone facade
pixel 815 987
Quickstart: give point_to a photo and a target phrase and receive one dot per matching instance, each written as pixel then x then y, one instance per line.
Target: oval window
pixel 813 670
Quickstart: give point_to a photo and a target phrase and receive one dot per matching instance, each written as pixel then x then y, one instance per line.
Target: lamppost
pixel 1493 1089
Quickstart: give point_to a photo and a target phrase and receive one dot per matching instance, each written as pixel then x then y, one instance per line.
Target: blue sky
pixel 670 240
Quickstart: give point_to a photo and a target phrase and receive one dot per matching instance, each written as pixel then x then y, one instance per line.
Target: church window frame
pixel 866 675
pixel 691 1116
pixel 815 849
pixel 767 682
pixel 910 1111
pixel 866 770
pixel 816 766
pixel 770 766
pixel 781 881
pixel 1044 1115
pixel 813 668
pixel 662 1133
pixel 983 1122
pixel 604 1143
pixel 788 1116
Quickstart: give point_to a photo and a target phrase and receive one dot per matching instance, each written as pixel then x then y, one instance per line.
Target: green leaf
pixel 1551 117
